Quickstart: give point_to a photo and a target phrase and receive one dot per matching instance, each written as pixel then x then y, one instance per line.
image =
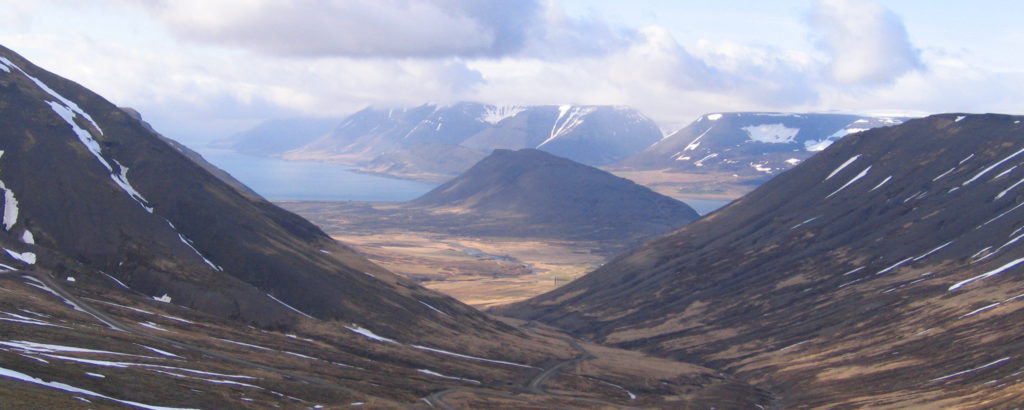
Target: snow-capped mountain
pixel 435 142
pixel 591 135
pixel 749 143
pixel 885 271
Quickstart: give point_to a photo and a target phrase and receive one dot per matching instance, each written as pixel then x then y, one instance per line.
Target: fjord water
pixel 278 179
pixel 705 206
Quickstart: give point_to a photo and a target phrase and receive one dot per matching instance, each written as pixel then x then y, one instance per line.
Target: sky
pixel 199 70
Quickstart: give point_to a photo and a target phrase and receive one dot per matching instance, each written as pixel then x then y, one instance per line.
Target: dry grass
pixel 702 186
pixel 482 272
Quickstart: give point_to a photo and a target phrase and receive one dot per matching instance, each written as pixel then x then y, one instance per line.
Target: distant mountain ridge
pixel 273 137
pixel 884 271
pixel 758 144
pixel 436 142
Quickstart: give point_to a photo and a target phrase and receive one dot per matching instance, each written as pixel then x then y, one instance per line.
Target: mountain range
pixel 132 276
pixel 436 142
pixel 883 271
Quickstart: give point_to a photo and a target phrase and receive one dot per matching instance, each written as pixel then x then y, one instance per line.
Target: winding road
pixel 534 386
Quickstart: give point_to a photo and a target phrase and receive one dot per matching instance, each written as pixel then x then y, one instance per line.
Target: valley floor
pixel 479 271
pixel 679 185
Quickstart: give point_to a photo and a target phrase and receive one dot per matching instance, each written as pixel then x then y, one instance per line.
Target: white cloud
pixel 864 42
pixel 222 82
pixel 355 28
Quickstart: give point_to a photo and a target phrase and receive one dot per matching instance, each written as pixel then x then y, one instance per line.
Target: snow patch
pixel 165 298
pixel 803 223
pixel 153 326
pixel 432 308
pixel 1001 174
pixel 27 237
pixel 771 133
pixel 27 257
pixel 859 176
pixel 569 118
pixel 933 251
pixel 700 162
pixel 1005 191
pixel 16 318
pixel 436 374
pixel 1000 215
pixel 979 310
pixel 844 165
pixel 985 275
pixel 119 282
pixel 820 145
pixel 497 113
pixel 943 174
pixel 445 352
pixel 696 141
pixel 792 161
pixel 121 176
pixel 629 393
pixel 68 111
pixel 713 117
pixel 71 389
pixel 894 266
pixel 290 307
pixel 881 183
pixel 986 170
pixel 971 370
pixel 52 348
pixel 188 242
pixel 368 334
pixel 959 117
pixel 158 351
pixel 10 207
pixel 244 344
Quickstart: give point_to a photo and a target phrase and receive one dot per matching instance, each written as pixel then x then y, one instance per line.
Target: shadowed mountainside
pixel 532 193
pixel 882 272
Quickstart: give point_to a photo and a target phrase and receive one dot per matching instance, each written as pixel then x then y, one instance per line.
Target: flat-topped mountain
pixel 533 193
pixel 749 143
pixel 437 142
pixel 884 271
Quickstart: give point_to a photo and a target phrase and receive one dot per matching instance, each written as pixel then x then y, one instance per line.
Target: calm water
pixel 315 181
pixel 705 206
pixel 278 179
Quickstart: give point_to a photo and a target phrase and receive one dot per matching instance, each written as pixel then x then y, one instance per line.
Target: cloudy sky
pixel 202 69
